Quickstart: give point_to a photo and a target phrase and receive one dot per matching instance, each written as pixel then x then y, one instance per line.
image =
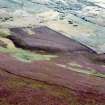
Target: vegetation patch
pixel 78 68
pixel 4 32
pixel 7 46
pixel 3 102
pixel 26 56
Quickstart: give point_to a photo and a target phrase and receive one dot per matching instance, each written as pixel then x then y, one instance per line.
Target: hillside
pixel 52 52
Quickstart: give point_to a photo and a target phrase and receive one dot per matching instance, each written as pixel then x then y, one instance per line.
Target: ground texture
pixel 63 73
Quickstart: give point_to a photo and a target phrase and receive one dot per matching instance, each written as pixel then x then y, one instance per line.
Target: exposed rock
pixel 2 44
pixel 87 16
pixel 45 39
pixel 6 43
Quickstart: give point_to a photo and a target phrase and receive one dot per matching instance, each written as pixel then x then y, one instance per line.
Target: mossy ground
pixel 26 56
pixel 4 32
pixel 80 69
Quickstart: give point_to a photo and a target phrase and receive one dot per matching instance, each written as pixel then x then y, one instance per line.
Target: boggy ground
pixel 68 76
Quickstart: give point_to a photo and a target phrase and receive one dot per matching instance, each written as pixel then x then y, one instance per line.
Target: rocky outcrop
pixel 44 38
